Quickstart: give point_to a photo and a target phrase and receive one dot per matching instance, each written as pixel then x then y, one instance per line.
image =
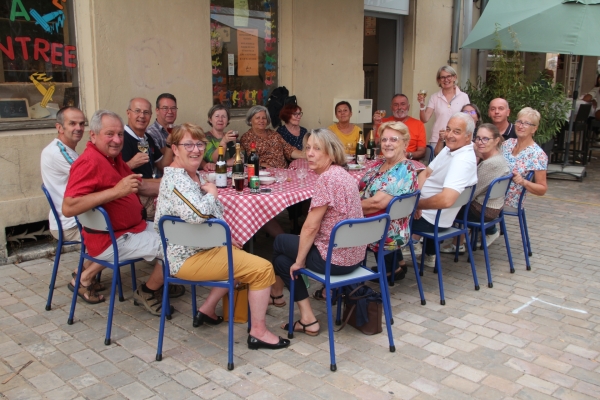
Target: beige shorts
pixel 69 235
pixel 145 244
pixel 212 265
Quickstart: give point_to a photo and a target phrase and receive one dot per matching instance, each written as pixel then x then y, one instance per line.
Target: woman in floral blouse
pixel 393 176
pixel 184 195
pixel 523 155
pixel 335 199
pixel 272 150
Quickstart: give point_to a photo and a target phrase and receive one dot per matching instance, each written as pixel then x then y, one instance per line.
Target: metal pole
pixel 574 110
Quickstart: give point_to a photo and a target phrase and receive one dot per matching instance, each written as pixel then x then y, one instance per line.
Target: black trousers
pixel 285 251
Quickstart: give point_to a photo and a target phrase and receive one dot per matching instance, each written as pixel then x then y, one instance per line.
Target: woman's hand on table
pixel 237 244
pixel 210 188
pixel 293 268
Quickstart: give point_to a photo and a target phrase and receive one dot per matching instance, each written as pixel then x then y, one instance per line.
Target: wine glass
pixel 279 178
pixel 301 174
pixel 143 145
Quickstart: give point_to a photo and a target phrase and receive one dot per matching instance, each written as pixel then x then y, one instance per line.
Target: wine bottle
pixel 221 169
pixel 361 150
pixel 238 165
pixel 371 147
pixel 253 162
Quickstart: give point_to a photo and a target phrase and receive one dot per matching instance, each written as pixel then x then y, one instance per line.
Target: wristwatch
pixel 410 155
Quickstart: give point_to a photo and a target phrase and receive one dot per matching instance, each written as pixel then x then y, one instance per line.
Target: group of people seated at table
pixel 101 176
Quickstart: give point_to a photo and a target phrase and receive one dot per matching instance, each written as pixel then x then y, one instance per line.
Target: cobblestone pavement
pixel 477 346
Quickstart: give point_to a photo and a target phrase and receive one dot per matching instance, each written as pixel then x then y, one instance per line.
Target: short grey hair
pixel 255 110
pixel 331 144
pixel 60 115
pixel 96 121
pixel 445 68
pixel 468 120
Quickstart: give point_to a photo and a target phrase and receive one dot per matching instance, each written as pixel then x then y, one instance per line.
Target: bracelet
pixel 423 108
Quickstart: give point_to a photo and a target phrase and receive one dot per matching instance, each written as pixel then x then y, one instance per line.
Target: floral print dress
pixel 399 180
pixel 531 158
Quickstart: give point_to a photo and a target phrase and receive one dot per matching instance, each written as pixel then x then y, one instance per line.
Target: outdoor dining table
pixel 246 213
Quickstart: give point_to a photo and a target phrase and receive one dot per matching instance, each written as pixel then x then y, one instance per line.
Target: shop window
pixel 243 38
pixel 38 62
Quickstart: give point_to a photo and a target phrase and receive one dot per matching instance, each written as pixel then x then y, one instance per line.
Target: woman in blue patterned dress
pixel 392 176
pixel 291 131
pixel 523 155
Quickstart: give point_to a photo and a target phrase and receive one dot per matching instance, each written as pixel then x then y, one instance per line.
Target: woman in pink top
pixel 335 199
pixel 444 103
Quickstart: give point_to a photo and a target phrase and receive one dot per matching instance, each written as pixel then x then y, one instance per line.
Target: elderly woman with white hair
pixel 335 199
pixel 523 155
pixel 272 150
pixel 444 103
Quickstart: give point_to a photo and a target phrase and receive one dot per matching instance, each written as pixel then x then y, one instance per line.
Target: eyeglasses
pixel 446 77
pixel 472 112
pixel 167 109
pixel 483 140
pixel 298 114
pixel 137 111
pixel 524 123
pixel 190 146
pixel 393 139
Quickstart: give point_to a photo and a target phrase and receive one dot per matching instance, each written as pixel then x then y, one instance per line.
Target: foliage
pixel 508 82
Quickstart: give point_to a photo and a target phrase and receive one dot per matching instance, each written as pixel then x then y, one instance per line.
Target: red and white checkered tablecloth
pixel 247 213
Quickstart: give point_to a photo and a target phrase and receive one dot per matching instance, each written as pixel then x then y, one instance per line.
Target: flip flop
pixel 273 298
pixel 93 297
pixel 318 295
pixel 303 329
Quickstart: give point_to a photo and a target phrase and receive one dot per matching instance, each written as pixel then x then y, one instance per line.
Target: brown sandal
pixel 96 285
pixel 273 298
pixel 93 297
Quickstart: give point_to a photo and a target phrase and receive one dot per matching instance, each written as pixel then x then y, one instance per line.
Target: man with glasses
pixel 166 114
pixel 140 152
pixel 498 113
pixel 100 177
pixel 453 170
pixel 418 137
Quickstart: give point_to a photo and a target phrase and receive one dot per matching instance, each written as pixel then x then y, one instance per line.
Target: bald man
pixel 498 112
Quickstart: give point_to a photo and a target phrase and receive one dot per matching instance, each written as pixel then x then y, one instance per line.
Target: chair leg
pixel 333 365
pixel 487 258
pixel 417 274
pixel 76 291
pixel 53 277
pixel 471 259
pixel 524 240
pixel 424 246
pixel 163 314
pixel 338 315
pixel 385 290
pixel 194 305
pixel 230 328
pixel 133 279
pixel 387 311
pixel 111 306
pixel 506 241
pixel 527 234
pixel 117 271
pixel 291 313
pixel 438 266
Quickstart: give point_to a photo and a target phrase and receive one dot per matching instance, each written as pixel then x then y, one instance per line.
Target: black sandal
pixel 304 326
pixel 318 295
pixel 273 298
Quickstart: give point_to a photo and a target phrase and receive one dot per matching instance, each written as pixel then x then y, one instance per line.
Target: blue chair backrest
pixel 359 232
pixel 429 154
pixel 403 206
pixel 529 177
pixel 211 233
pixel 464 198
pixel 52 208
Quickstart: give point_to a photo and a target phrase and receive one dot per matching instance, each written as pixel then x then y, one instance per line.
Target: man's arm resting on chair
pixel 76 205
pixel 444 199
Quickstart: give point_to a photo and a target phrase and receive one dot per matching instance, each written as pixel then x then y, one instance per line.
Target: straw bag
pixel 240 304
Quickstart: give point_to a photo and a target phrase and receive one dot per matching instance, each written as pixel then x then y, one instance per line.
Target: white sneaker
pixel 430 260
pixel 418 250
pixel 489 239
pixel 451 248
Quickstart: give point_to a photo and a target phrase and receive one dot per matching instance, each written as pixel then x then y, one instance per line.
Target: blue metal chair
pixel 59 246
pixel 463 200
pixel 211 233
pixel 97 219
pixel 402 207
pixel 429 154
pixel 351 233
pixel 520 213
pixel 497 188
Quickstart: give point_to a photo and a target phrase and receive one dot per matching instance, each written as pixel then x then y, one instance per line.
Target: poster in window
pixel 247 52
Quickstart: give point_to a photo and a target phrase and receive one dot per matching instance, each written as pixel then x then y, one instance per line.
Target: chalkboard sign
pixel 14 109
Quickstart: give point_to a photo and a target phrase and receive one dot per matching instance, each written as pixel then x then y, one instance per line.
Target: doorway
pixel 382 57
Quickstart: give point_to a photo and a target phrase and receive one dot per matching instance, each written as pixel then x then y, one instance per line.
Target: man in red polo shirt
pixel 418 137
pixel 100 177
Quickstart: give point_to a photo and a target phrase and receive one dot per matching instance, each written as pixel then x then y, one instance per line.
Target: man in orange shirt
pixel 418 138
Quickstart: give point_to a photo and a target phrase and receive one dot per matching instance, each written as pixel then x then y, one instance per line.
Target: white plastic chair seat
pixel 357 273
pixel 510 209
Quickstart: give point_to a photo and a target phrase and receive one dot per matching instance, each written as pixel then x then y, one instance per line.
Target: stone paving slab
pixel 535 334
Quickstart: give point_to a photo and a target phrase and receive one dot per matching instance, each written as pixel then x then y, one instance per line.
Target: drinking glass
pixel 238 182
pixel 301 174
pixel 382 113
pixel 143 145
pixel 169 128
pixel 279 178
